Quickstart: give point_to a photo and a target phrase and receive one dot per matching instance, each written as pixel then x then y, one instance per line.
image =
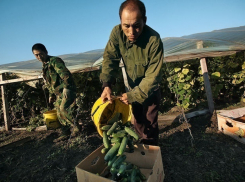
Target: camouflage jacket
pixel 143 61
pixel 57 76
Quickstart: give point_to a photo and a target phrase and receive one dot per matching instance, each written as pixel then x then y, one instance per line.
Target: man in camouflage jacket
pixel 141 49
pixel 59 82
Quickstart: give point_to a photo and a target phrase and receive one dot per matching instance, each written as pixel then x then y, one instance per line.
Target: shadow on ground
pixel 195 151
pixel 191 152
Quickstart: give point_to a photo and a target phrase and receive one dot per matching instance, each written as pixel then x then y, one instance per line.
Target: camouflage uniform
pixel 58 78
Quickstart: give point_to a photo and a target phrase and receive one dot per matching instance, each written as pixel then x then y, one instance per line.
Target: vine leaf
pixel 215 75
pixel 187 86
pixel 177 70
pixel 185 71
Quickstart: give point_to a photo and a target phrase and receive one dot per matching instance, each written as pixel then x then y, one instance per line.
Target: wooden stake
pixel 5 104
pixel 206 80
pixel 25 79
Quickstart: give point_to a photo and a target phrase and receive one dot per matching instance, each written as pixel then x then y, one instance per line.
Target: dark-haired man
pixel 61 86
pixel 141 50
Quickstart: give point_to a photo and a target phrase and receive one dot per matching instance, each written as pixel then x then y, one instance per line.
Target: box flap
pixel 91 163
pixel 144 156
pixel 235 113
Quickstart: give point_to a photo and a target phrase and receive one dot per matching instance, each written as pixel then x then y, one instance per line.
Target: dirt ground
pixel 191 152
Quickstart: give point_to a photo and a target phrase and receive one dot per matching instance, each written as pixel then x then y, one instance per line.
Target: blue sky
pixel 82 25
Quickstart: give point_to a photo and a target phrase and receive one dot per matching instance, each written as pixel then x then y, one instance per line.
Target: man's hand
pixel 124 98
pixel 66 93
pixel 43 87
pixel 51 100
pixel 106 95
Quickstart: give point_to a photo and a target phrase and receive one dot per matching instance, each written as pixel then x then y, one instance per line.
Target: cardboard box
pixel 232 123
pixel 148 158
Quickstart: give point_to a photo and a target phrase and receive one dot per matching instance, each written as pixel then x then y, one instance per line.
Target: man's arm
pixel 110 64
pixel 63 72
pixel 106 94
pixel 153 75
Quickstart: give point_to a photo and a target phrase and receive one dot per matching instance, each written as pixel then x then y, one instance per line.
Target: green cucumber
pixel 114 119
pixel 133 175
pixel 113 127
pixel 112 161
pixel 122 146
pixel 104 150
pixel 141 175
pixel 114 172
pixel 106 127
pixel 130 145
pixel 119 134
pixel 106 140
pixel 132 133
pixel 121 169
pixel 113 150
pixel 116 140
pixel 119 160
pixel 129 166
pixel 128 124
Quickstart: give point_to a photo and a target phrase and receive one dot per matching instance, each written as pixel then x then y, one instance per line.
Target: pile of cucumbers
pixel 116 138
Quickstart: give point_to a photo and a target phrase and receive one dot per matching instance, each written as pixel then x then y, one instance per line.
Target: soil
pixel 191 151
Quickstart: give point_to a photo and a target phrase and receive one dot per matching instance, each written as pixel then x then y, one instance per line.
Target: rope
pixel 182 111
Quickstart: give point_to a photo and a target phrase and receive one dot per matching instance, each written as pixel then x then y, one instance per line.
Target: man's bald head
pixel 133 5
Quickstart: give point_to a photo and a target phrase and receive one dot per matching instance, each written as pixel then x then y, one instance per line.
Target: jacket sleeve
pixel 63 72
pixel 51 91
pixel 153 74
pixel 111 59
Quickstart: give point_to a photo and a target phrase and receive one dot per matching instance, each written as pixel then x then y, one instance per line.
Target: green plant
pixel 182 82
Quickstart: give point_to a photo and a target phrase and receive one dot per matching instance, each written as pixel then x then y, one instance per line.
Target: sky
pixel 76 26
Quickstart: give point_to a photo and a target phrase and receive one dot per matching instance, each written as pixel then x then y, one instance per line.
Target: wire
pixel 181 111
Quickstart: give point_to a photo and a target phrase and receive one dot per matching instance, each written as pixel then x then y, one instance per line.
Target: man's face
pixel 40 55
pixel 132 24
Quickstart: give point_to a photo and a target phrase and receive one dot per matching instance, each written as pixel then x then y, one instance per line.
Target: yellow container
pixel 102 112
pixel 51 119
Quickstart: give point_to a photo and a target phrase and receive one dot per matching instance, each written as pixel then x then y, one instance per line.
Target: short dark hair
pixel 133 4
pixel 40 47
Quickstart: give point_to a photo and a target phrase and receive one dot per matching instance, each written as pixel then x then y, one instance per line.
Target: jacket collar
pixel 47 61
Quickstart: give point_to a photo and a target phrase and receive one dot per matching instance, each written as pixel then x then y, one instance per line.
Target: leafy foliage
pixel 182 84
pixel 226 76
pixel 25 102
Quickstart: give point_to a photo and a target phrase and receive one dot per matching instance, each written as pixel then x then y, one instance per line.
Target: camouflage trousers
pixel 66 109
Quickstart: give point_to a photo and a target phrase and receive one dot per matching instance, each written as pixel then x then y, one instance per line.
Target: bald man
pixel 141 50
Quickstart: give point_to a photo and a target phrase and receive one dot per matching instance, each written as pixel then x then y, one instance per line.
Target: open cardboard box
pixel 232 123
pixel 148 158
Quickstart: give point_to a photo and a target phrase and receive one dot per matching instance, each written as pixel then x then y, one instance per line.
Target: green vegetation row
pixel 182 84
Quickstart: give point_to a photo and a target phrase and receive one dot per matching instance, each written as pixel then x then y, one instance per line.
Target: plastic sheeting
pixel 74 62
pixel 208 44
pixel 216 43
